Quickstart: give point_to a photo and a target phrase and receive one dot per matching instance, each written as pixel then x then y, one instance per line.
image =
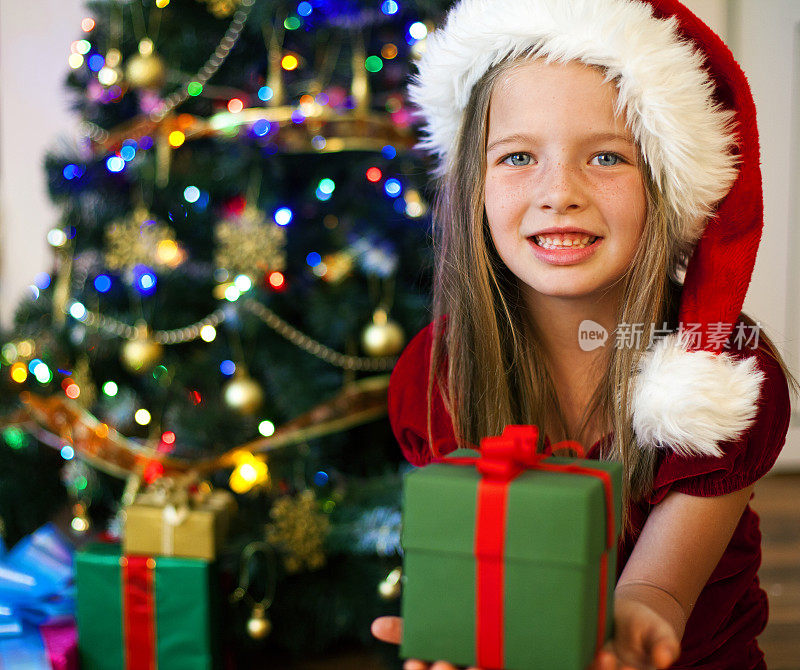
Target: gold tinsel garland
pixel 57 420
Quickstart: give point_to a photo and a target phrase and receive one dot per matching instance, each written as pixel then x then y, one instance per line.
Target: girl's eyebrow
pixel 592 137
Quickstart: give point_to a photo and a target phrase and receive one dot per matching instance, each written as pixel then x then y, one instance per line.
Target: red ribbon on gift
pixel 139 612
pixel 501 459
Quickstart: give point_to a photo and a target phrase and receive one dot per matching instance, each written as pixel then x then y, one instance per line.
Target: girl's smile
pixel 566 248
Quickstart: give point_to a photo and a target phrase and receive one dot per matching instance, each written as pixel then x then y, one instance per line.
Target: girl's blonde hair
pixel 487 348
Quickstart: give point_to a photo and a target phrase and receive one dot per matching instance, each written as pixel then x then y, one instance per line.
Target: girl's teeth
pixel 557 243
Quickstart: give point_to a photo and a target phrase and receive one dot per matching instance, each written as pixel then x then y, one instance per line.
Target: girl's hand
pixel 644 640
pixel 390 629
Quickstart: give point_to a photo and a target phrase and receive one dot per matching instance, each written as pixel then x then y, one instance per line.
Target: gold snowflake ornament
pixel 250 244
pixel 139 239
pixel 221 9
pixel 299 530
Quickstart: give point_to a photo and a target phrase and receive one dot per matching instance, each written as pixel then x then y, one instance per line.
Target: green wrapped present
pixel 144 613
pixel 510 556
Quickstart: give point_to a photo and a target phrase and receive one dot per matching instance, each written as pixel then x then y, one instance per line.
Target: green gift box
pixel 505 555
pixel 144 613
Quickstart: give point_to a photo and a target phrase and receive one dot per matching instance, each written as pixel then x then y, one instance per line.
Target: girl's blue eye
pixel 615 157
pixel 521 155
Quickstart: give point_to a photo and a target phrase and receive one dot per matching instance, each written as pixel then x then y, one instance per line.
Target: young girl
pixel 596 224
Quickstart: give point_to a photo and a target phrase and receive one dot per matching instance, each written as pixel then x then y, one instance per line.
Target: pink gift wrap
pixel 61 644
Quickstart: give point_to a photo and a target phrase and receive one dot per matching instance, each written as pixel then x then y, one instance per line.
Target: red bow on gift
pixel 504 457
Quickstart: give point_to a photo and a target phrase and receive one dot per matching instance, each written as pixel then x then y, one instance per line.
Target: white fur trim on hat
pixel 663 90
pixel 689 401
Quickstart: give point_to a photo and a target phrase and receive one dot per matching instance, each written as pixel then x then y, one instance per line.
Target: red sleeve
pixel 408 404
pixel 746 459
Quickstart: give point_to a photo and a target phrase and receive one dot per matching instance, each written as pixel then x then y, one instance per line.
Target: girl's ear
pixel 690 401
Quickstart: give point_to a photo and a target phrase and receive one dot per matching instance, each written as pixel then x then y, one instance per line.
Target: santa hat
pixel 690 110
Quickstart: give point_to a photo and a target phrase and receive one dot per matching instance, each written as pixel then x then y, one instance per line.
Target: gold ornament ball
pixel 243 394
pixel 258 626
pixel 141 354
pixel 382 337
pixel 389 590
pixel 145 71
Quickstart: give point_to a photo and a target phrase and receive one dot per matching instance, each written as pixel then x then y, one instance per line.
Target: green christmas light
pixel 373 64
pixel 15 438
pixel 194 88
pixel 292 23
pixel 110 389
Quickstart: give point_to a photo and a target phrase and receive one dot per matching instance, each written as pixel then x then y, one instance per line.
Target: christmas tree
pixel 242 254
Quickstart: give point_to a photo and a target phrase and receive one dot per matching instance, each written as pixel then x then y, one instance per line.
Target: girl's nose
pixel 559 191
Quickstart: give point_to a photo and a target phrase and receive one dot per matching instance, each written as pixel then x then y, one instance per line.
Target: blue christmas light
pixel 130 143
pixel 283 216
pixel 33 363
pixel 144 280
pixel 227 368
pixel 389 7
pixel 265 93
pixel 298 116
pixel 202 201
pixel 96 62
pixel 42 280
pixel 127 153
pixel 304 8
pixel 400 206
pixel 115 164
pixel 389 151
pixel 146 142
pixel 320 478
pixel 313 259
pixel 67 452
pixel 73 171
pixel 392 187
pixel 261 127
pixel 102 283
pixel 322 196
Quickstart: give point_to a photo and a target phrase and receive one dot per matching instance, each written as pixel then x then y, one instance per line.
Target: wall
pixel 34 47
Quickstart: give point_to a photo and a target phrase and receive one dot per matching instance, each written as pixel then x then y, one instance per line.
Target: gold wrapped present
pixel 169 520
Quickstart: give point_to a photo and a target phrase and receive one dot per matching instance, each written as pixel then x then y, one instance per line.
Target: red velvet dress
pixel 732 609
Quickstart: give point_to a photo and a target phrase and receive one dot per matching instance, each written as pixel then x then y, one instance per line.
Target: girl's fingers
pixel 388 629
pixel 414 664
pixel 664 653
pixel 661 648
pixel 443 665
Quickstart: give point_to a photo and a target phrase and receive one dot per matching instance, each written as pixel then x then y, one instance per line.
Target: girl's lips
pixel 566 256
